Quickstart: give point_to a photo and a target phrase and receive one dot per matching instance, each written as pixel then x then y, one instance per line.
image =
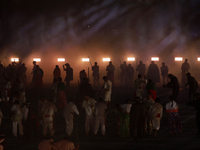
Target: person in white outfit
pixel 68 114
pixel 17 118
pixel 48 110
pixel 89 104
pixel 100 116
pixel 138 85
pixel 108 90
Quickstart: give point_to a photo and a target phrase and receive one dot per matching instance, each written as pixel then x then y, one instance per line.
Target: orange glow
pixel 178 59
pixel 154 58
pixel 86 59
pixel 37 59
pixel 198 59
pixel 61 59
pixel 14 59
pixel 106 59
pixel 131 59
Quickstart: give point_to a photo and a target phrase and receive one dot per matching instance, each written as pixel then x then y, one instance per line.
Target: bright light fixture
pixel 106 59
pixel 178 59
pixel 154 58
pixel 61 59
pixel 131 59
pixel 14 59
pixel 37 59
pixel 86 59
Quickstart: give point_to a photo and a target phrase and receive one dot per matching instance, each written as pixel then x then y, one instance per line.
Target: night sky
pixel 113 27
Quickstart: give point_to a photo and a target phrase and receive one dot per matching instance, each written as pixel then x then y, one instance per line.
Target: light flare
pixel 86 59
pixel 131 59
pixel 61 59
pixel 14 59
pixel 37 59
pixel 154 58
pixel 106 59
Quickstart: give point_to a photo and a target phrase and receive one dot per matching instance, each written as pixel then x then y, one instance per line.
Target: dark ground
pixel 186 140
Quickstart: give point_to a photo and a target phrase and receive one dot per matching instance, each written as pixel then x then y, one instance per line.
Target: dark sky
pixel 143 27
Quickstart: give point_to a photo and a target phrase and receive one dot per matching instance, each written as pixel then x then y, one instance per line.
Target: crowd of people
pixel 135 119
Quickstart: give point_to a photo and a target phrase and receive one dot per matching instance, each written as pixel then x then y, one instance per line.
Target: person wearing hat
pixel 137 119
pixel 193 85
pixel 69 74
pixel 185 69
pixel 95 73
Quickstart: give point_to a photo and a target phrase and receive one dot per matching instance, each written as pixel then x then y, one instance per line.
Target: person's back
pixel 100 109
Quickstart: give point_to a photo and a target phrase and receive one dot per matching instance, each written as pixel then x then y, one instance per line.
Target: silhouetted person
pixel 137 119
pixel 141 68
pixel 153 73
pixel 130 73
pixel 57 73
pixel 33 72
pixel 123 73
pixel 174 84
pixel 82 75
pixel 110 72
pixel 69 74
pixel 95 74
pixel 185 69
pixel 164 72
pixel 38 77
pixel 193 85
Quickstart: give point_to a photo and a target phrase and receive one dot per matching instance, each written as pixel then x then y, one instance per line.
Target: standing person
pixel 38 81
pixel 100 116
pixel 164 72
pixel 89 104
pixel 82 75
pixel 57 72
pixel 153 73
pixel 138 85
pixel 32 123
pixel 175 126
pixel 95 73
pixel 150 87
pixel 141 68
pixel 193 84
pixel 148 102
pixel 68 114
pixel 61 101
pixel 25 111
pixel 125 119
pixel 130 74
pixel 48 110
pixel 155 115
pixel 185 69
pixel 110 72
pixel 69 74
pixel 22 73
pixel 108 91
pixel 17 118
pixel 33 72
pixel 55 90
pixel 174 84
pixel 137 119
pixel 123 73
pixel 7 90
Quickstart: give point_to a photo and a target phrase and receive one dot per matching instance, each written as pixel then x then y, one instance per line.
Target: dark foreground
pixel 186 140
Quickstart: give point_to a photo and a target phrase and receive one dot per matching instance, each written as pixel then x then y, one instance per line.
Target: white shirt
pixel 88 105
pixel 48 109
pixel 24 113
pixel 126 108
pixel 138 83
pixel 100 109
pixel 108 86
pixel 169 105
pixel 16 110
pixel 70 108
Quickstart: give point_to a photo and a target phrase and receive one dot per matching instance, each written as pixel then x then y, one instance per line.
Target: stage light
pixel 131 59
pixel 14 59
pixel 178 59
pixel 106 59
pixel 198 59
pixel 61 59
pixel 86 59
pixel 154 58
pixel 37 59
